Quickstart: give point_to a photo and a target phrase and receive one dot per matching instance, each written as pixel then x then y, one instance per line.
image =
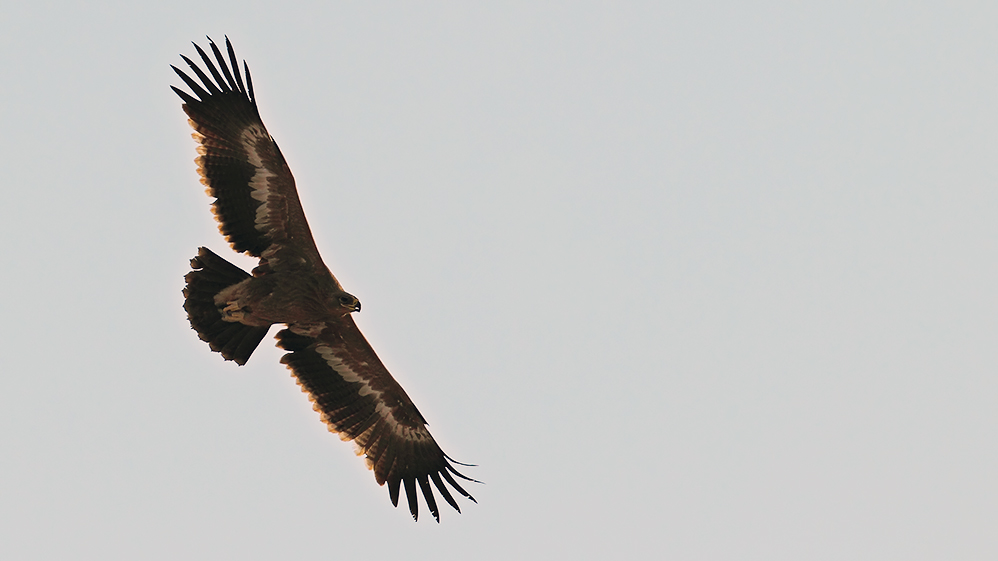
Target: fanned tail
pixel 211 275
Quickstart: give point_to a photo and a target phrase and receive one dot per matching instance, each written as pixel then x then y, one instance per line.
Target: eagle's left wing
pixel 357 398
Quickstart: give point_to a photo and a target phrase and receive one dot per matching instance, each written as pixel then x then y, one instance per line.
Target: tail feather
pixel 211 275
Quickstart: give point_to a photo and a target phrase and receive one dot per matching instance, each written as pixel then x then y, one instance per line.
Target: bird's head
pixel 347 303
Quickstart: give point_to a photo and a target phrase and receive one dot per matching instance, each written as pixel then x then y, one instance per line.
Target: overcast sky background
pixel 709 280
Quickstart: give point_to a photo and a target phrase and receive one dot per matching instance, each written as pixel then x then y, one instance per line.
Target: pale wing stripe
pixel 260 182
pixel 308 329
pixel 341 368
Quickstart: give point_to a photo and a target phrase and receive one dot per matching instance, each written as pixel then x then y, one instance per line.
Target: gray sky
pixel 705 280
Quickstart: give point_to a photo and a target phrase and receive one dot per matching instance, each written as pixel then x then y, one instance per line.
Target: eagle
pixel 258 212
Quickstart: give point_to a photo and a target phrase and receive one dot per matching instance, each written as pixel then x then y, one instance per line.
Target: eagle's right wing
pixel 256 203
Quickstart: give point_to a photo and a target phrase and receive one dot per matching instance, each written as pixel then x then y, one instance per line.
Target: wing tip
pixel 409 482
pixel 222 80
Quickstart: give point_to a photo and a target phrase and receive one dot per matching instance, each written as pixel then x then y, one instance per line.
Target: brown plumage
pixel 258 211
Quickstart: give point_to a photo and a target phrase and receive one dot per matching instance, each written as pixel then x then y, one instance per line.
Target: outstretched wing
pixel 357 398
pixel 256 203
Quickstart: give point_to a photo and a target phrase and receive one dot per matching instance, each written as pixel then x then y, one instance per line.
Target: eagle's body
pixel 257 207
pixel 283 297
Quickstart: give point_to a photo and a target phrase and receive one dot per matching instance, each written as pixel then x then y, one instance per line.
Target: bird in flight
pixel 258 211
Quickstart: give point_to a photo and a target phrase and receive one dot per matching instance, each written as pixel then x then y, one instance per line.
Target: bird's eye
pixel 350 302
